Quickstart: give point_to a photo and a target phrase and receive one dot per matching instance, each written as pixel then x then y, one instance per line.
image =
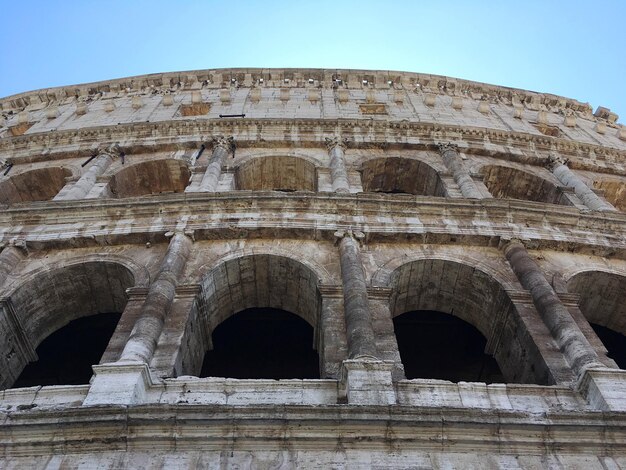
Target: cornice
pixel 186 134
pixel 214 427
pixel 306 78
pixel 315 216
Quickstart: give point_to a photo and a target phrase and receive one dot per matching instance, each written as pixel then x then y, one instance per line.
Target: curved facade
pixel 311 268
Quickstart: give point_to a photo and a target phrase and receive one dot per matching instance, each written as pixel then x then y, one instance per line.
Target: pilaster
pixel 567 177
pixel 143 339
pixel 339 176
pixel 571 341
pixel 10 257
pixel 222 147
pixel 452 160
pixel 359 332
pixel 82 188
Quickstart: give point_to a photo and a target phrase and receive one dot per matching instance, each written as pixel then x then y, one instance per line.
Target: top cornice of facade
pixel 174 82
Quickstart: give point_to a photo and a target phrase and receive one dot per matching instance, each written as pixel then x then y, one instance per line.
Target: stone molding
pixel 607 240
pixel 188 81
pixel 413 135
pixel 211 427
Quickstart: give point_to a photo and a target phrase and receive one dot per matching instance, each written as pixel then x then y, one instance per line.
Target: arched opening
pixel 66 356
pixel 52 300
pixel 401 175
pixel 436 290
pixel 242 297
pixel 603 303
pixel 614 342
pixel 511 183
pixel 34 185
pixel 614 192
pixel 436 345
pixel 262 343
pixel 277 174
pixel 149 178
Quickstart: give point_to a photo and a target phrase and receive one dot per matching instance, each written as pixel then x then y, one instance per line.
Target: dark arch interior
pixel 41 184
pixel 511 183
pixel 262 343
pixel 401 176
pixel 614 342
pixel 436 345
pixel 66 356
pixel 151 177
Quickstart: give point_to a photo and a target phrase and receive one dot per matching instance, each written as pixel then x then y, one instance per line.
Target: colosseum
pixel 281 268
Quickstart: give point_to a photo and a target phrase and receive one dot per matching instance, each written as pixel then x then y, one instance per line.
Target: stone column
pixel 461 176
pixel 9 258
pixel 568 178
pixel 145 334
pixel 222 146
pixel 359 331
pixel 85 183
pixel 571 341
pixel 338 174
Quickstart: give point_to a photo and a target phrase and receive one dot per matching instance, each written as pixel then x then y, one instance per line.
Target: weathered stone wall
pixel 346 198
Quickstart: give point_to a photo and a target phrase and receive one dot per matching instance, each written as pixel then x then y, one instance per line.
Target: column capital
pixel 447 147
pixel 225 142
pixel 554 160
pixel 15 243
pixel 506 242
pixel 354 234
pixel 336 141
pixel 189 233
pixel 112 150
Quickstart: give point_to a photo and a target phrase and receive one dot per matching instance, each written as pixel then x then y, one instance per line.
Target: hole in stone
pixel 66 356
pixel 614 342
pixel 262 343
pixel 436 345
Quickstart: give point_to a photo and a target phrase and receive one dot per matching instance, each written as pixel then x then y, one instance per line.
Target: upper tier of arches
pixel 409 174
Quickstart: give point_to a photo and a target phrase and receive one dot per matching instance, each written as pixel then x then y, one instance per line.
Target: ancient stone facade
pixel 360 203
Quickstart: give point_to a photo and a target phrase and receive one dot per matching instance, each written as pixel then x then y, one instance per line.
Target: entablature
pixel 260 214
pixel 139 138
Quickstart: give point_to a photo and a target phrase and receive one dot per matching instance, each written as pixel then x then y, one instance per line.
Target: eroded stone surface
pixel 346 198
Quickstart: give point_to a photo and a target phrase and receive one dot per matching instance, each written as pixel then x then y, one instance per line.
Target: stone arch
pixel 237 284
pixel 602 297
pixel 383 276
pixel 51 298
pixel 401 175
pixel 470 293
pixel 140 274
pixel 324 276
pixel 167 175
pixel 507 182
pixel 277 173
pixel 260 280
pixel 40 184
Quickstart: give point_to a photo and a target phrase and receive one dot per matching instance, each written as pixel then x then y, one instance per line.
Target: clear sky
pixel 572 48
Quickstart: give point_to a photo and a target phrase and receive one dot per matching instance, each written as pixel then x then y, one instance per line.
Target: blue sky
pixel 571 48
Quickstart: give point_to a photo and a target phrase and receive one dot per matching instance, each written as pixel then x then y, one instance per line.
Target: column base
pixel 119 383
pixel 604 389
pixel 367 381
